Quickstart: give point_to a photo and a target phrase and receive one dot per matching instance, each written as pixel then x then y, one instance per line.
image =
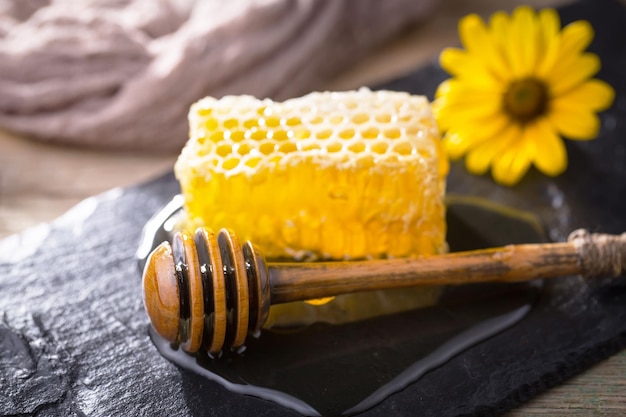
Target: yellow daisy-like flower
pixel 520 84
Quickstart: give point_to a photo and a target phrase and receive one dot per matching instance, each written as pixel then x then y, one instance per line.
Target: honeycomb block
pixel 341 175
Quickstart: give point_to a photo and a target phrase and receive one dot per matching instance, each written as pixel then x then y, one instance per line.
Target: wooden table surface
pixel 39 182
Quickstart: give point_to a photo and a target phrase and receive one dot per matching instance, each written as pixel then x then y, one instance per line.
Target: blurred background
pixel 41 179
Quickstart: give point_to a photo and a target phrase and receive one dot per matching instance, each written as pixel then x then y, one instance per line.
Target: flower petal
pixel 466 66
pixel 594 95
pixel 574 122
pixel 549 41
pixel 449 116
pixel 484 127
pixel 461 91
pixel 510 168
pixel 463 137
pixel 566 76
pixel 510 165
pixel 452 60
pixel 450 110
pixel 480 158
pixel 472 32
pixel 522 42
pixel 499 25
pixel 570 60
pixel 477 40
pixel 443 88
pixel 456 145
pixel 550 154
pixel 575 37
pixel 549 22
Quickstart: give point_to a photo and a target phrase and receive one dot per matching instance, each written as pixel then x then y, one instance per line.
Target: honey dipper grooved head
pixel 206 291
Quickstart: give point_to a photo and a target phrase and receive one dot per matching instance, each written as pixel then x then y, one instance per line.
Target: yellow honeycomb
pixel 332 175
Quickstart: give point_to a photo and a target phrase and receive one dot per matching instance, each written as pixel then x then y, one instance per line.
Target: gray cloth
pixel 123 73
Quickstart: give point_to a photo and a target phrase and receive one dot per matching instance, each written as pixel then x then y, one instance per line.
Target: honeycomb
pixel 331 175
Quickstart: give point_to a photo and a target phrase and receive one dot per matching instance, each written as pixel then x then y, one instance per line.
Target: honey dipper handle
pixel 590 255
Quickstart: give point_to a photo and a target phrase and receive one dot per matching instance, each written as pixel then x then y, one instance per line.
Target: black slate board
pixel 73 333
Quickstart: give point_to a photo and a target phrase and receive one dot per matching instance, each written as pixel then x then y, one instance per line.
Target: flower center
pixel 526 99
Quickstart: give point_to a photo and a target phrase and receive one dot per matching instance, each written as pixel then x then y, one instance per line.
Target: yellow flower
pixel 520 84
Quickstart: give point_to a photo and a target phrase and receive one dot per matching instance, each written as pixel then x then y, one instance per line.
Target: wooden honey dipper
pixel 208 291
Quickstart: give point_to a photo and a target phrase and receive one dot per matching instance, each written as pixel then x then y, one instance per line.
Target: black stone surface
pixel 73 333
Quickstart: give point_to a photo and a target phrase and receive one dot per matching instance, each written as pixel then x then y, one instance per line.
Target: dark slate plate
pixel 73 337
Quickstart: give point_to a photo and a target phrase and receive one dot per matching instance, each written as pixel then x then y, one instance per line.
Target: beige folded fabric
pixel 123 73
